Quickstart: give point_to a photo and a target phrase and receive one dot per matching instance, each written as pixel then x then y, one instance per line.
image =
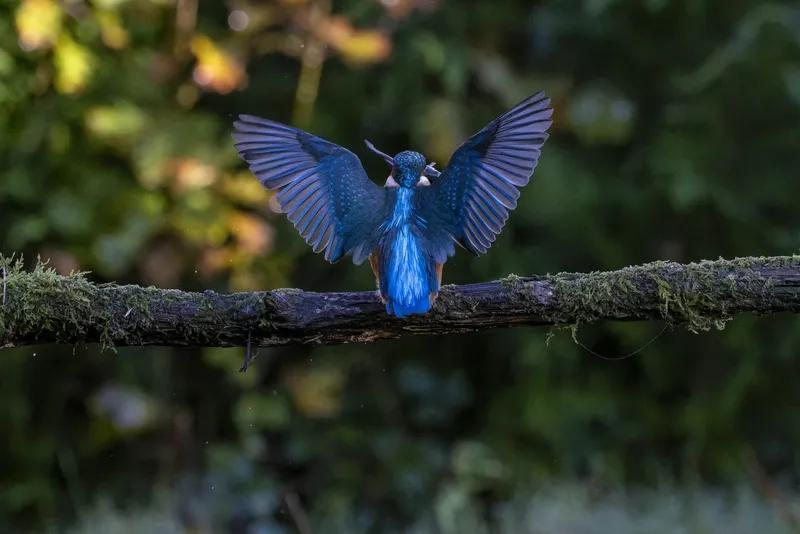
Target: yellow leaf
pixel 114 35
pixel 252 234
pixel 109 4
pixel 244 188
pixel 73 64
pixel 121 123
pixel 190 173
pixel 38 23
pixel 317 391
pixel 356 46
pixel 367 46
pixel 215 70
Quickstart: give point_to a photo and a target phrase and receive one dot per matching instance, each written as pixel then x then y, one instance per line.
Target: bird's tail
pixel 408 278
pixel 419 305
pixel 408 291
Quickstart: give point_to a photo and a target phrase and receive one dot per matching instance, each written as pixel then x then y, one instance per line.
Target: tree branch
pixel 44 307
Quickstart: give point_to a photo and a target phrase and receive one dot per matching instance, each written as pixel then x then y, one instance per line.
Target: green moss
pixel 696 295
pixel 512 281
pixel 43 300
pixel 41 304
pixel 455 302
pixel 70 307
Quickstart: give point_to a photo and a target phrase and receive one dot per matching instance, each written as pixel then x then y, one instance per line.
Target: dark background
pixel 676 136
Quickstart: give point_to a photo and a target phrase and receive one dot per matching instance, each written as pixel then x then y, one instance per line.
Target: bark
pixel 41 306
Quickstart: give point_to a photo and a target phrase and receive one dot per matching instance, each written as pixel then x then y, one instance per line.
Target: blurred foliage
pixel 676 137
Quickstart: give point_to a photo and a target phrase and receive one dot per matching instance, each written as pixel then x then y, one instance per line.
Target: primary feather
pixel 480 185
pixel 408 230
pixel 321 186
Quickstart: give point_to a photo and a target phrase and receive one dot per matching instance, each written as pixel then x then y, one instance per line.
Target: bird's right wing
pixel 322 187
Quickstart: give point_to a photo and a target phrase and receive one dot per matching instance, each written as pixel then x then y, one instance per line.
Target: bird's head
pixel 407 168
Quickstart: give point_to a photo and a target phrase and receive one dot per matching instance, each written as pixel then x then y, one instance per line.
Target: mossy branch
pixel 40 306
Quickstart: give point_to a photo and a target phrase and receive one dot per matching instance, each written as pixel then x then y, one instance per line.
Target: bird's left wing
pixel 322 187
pixel 471 199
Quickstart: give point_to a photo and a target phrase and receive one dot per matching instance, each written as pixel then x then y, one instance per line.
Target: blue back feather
pixel 407 272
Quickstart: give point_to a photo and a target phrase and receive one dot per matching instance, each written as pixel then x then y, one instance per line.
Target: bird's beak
pixel 423 181
pixel 431 170
pixel 391 182
pixel 386 157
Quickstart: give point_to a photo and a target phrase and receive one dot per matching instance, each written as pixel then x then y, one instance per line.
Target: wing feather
pixel 472 199
pixel 321 186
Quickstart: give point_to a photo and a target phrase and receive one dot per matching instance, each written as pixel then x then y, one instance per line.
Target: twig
pixel 298 513
pixel 248 353
pixel 311 61
pixel 4 286
pixel 620 357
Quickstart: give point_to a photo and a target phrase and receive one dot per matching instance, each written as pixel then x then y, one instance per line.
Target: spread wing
pixel 322 187
pixel 480 185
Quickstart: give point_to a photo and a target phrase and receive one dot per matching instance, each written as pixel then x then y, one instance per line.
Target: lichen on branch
pixel 41 306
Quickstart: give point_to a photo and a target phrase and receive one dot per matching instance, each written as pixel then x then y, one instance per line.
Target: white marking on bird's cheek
pixel 423 181
pixel 390 182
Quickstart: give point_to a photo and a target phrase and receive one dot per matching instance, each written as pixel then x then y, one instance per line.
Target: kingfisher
pixel 409 227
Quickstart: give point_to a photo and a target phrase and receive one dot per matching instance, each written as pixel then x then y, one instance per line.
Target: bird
pixel 408 228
